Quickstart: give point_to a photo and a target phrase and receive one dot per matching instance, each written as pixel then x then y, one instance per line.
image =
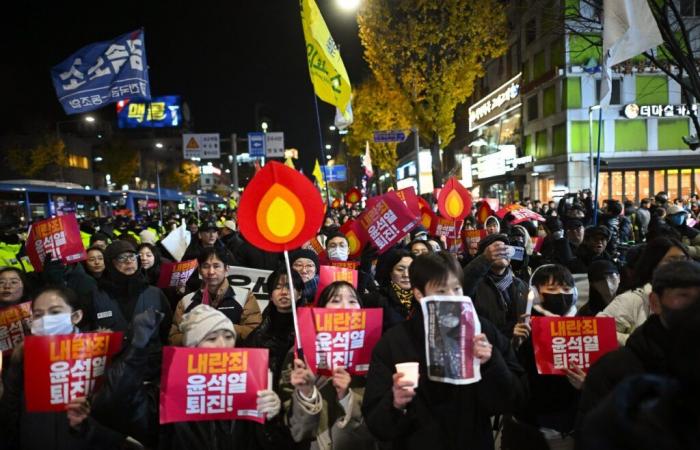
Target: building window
pixel 530 32
pixel 630 186
pixel 615 96
pixel 672 184
pixel 604 185
pixel 644 191
pixel 532 112
pixel 686 180
pixel 80 162
pixel 690 8
pixel 659 181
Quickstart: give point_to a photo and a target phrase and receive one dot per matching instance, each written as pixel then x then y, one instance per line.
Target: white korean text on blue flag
pixel 103 73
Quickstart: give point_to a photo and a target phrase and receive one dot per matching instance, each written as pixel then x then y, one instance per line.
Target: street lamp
pixel 328 146
pixel 159 145
pixel 89 119
pixel 348 5
pixel 264 127
pixel 331 128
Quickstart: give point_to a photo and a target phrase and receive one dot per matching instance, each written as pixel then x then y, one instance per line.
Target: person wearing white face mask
pixel 337 246
pixel 55 311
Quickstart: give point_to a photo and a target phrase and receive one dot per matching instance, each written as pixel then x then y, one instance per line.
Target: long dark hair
pixel 152 274
pixel 652 255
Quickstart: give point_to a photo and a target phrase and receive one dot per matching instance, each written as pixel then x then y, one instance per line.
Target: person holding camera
pixel 497 293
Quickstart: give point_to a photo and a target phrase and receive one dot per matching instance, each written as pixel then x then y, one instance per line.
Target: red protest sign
pixel 427 216
pixel 485 211
pixel 354 265
pixel 339 337
pixel 59 237
pixel 472 239
pixel 176 274
pixel 410 199
pixel 59 369
pixel 445 227
pixel 212 384
pixel 351 230
pixel 537 244
pixel 520 214
pixel 353 196
pixel 15 323
pixel 330 274
pixel 454 244
pixel 561 342
pixel 387 221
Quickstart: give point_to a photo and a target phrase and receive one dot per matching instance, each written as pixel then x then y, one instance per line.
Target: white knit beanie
pixel 202 320
pixel 147 237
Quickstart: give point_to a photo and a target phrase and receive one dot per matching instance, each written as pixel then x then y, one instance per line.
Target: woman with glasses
pixel 12 287
pixel 123 292
pixel 95 263
pixel 305 263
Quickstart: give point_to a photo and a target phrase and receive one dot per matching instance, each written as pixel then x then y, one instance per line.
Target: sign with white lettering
pixel 633 111
pixel 504 99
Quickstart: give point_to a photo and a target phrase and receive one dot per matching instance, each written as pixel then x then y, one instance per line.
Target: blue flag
pixel 103 73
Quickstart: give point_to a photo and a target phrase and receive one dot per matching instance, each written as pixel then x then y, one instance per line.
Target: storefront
pixel 635 185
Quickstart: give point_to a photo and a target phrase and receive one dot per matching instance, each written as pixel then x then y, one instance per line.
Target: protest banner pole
pixel 323 153
pixel 300 352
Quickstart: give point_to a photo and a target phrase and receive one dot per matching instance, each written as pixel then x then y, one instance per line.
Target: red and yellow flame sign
pixel 280 209
pixel 426 213
pixel 455 201
pixel 353 196
pixel 355 243
pixel 336 204
pixel 484 212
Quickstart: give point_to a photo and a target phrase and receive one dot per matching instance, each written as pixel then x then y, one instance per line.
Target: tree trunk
pixel 436 163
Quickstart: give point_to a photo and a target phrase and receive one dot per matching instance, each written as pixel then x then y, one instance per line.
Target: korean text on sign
pixel 58 237
pixel 339 337
pixel 15 323
pixel 59 369
pixel 566 342
pixel 212 384
pixel 176 274
pixel 386 220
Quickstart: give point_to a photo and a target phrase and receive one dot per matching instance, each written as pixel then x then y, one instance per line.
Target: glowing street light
pixel 328 146
pixel 159 145
pixel 89 119
pixel 264 127
pixel 348 5
pixel 332 127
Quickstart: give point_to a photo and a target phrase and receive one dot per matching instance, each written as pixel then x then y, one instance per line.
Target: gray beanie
pixel 202 320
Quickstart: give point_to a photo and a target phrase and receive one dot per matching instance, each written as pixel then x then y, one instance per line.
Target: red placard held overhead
pixel 519 213
pixel 563 342
pixel 454 201
pixel 59 369
pixel 331 274
pixel 280 209
pixel 58 237
pixel 472 238
pixel 387 221
pixel 339 338
pixel 353 196
pixel 410 199
pixel 176 274
pixel 212 384
pixel 352 231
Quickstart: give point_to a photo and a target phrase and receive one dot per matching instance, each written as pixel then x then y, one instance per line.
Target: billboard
pixel 160 112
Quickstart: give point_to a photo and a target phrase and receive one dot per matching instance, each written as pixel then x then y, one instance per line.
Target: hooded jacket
pixel 630 310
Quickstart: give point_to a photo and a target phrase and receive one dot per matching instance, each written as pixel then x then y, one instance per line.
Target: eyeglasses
pixel 303 266
pixel 126 257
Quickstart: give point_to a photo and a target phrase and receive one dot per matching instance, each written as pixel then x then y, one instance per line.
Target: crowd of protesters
pixel 633 263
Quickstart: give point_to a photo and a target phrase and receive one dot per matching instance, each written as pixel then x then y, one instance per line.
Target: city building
pixel 534 119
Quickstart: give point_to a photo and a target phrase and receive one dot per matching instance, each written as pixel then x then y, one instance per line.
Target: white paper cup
pixel 410 373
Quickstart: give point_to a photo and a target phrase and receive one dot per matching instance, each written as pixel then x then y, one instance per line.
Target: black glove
pixel 144 326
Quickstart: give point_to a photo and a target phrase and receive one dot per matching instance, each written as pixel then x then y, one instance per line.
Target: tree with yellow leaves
pixel 432 53
pixel 46 158
pixel 376 108
pixel 121 161
pixel 183 177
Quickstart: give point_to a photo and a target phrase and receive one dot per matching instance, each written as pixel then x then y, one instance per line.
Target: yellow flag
pixel 326 67
pixel 319 176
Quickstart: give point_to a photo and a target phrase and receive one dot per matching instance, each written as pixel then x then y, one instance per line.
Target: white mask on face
pixel 338 254
pixel 52 325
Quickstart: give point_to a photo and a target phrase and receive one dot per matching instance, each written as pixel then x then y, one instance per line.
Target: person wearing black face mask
pixel 675 288
pixel 548 419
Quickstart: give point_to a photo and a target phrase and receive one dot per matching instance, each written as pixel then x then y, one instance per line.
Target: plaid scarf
pixel 503 282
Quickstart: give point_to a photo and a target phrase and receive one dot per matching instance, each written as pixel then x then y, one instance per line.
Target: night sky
pixel 224 58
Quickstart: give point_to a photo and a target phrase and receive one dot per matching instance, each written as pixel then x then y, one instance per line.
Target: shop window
pixel 672 184
pixel 696 178
pixel 80 162
pixel 686 187
pixel 545 186
pixel 630 186
pixel 659 181
pixel 532 108
pixel 615 95
pixel 644 191
pixel 603 185
pixel 616 184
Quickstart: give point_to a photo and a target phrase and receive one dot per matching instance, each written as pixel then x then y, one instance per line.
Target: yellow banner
pixel 326 68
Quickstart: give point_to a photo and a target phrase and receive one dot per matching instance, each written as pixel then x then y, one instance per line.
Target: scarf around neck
pixel 404 296
pixel 504 281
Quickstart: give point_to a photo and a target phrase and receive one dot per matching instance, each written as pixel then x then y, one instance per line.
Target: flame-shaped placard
pixel 355 243
pixel 280 209
pixel 353 196
pixel 455 201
